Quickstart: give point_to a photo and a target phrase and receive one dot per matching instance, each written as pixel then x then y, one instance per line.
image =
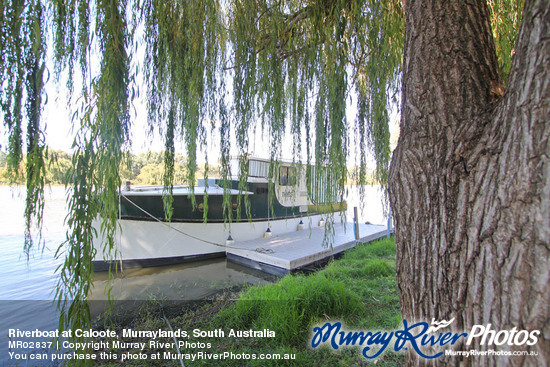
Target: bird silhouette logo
pixel 436 325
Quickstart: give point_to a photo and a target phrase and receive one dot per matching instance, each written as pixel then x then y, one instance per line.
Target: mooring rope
pixel 269 251
pixel 170 227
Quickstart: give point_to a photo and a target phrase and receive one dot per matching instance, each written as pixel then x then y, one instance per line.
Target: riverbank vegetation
pixel 358 289
pixel 141 169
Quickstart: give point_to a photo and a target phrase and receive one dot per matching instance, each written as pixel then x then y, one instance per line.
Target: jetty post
pixel 388 233
pixel 356 223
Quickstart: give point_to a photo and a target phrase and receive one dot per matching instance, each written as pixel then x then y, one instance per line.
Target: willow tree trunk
pixel 470 177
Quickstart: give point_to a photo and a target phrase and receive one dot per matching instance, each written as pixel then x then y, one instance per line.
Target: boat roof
pixel 181 190
pixel 284 161
pixel 250 179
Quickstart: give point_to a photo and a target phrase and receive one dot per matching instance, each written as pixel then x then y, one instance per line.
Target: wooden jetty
pixel 286 253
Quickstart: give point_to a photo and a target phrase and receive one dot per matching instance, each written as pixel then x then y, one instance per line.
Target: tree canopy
pixel 234 66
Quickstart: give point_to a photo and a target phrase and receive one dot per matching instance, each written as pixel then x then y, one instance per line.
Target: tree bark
pixel 470 178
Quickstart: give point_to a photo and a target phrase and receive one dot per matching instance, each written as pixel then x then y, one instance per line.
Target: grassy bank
pixel 359 290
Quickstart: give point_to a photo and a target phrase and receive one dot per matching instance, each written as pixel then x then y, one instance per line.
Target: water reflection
pixel 174 284
pixel 192 281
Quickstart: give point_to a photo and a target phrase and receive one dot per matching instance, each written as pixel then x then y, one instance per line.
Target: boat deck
pixel 286 253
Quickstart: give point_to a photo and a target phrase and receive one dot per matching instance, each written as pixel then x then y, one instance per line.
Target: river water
pixel 27 285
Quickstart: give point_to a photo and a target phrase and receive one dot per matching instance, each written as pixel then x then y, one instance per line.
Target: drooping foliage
pixel 234 67
pixel 184 52
pixel 22 64
pixel 102 138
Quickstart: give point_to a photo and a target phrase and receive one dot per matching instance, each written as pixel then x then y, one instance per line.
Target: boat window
pixel 287 176
pixel 258 168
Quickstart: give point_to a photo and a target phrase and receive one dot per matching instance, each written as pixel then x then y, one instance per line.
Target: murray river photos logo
pixel 417 336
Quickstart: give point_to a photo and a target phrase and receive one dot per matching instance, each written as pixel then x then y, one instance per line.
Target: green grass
pixel 291 305
pixel 359 290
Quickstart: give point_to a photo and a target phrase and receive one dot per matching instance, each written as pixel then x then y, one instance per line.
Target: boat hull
pixel 155 243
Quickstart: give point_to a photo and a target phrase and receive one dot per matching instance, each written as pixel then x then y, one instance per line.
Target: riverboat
pixel 282 197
